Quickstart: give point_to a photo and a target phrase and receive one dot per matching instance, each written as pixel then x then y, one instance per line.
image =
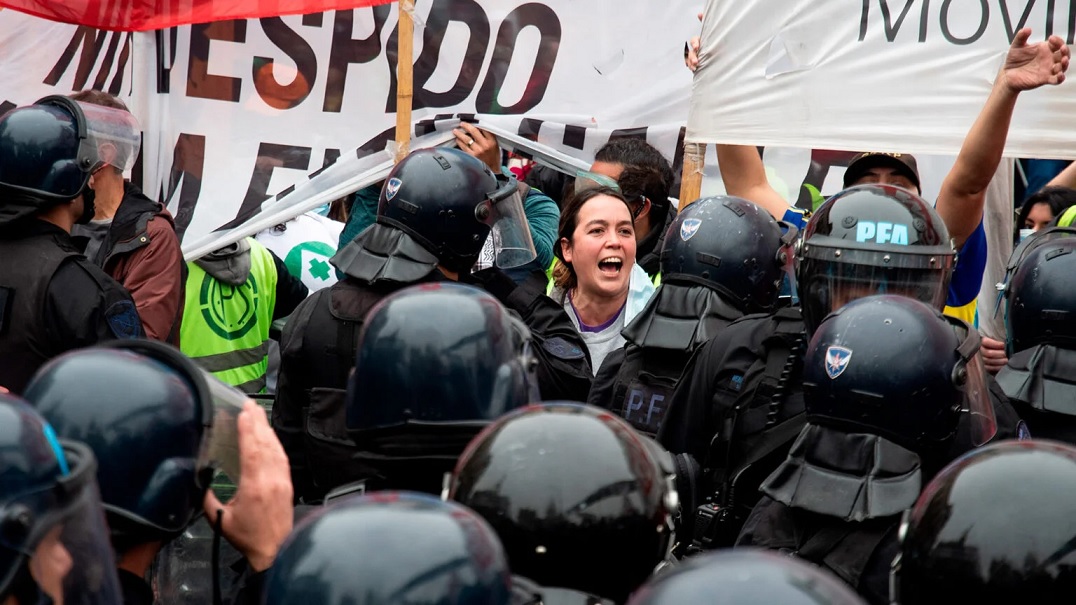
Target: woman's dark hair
pixel 1057 198
pixel 564 274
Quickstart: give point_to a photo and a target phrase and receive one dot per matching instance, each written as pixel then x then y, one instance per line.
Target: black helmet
pixel 390 547
pixel 894 367
pixel 49 508
pixel 1040 301
pixel 731 245
pixel 745 576
pixel 994 527
pixel 436 354
pixel 46 158
pixel 872 239
pixel 147 412
pixel 449 201
pixel 566 485
pixel 435 364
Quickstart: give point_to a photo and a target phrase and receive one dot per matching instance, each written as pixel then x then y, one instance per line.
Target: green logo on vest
pixel 308 259
pixel 230 311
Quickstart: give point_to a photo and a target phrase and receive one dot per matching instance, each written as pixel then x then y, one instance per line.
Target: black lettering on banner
pixel 6 106
pixel 1072 23
pixel 200 82
pixel 890 27
pixel 1049 18
pixel 188 163
pixel 345 50
pixel 529 127
pixel 470 14
pixel 286 96
pixel 1010 31
pixel 164 64
pixel 545 20
pixel 984 20
pixel 270 157
pixel 92 42
pixel 678 159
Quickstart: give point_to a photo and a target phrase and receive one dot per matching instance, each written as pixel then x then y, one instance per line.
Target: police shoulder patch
pixel 562 349
pixel 1022 432
pixel 122 318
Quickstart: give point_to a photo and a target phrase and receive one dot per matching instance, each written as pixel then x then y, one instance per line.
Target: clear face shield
pixel 61 530
pixel 510 232
pixel 829 284
pixel 518 378
pixel 116 134
pixel 220 447
pixel 970 375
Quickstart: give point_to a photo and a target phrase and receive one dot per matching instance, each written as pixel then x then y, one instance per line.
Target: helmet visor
pixel 591 180
pixel 510 232
pixel 115 132
pixel 65 538
pixel 828 285
pixel 220 448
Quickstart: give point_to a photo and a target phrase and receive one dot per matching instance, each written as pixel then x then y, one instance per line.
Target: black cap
pixel 903 162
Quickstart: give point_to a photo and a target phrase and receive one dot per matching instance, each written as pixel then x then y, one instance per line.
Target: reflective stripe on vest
pixel 226 328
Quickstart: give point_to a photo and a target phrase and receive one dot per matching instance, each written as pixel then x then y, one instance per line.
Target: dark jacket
pixel 52 300
pixel 648 251
pixel 141 252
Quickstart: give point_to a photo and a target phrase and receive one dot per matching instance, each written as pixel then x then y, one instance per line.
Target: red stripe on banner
pixel 142 15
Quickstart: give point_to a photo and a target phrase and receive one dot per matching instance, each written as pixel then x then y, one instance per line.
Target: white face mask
pixel 1025 233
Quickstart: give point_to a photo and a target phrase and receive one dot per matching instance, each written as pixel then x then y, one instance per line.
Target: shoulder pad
pixel 562 349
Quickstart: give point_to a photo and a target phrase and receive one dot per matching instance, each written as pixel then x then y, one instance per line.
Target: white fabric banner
pixel 889 75
pixel 236 112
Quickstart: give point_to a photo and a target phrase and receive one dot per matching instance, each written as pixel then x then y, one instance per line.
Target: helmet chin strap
pixel 88 207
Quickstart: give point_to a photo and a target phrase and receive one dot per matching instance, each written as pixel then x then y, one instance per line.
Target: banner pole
pixel 404 78
pixel 691 177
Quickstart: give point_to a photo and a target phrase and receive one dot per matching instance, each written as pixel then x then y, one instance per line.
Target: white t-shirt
pixel 600 340
pixel 306 243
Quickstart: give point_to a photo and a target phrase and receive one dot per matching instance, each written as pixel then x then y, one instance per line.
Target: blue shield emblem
pixel 837 360
pixel 689 228
pixel 392 188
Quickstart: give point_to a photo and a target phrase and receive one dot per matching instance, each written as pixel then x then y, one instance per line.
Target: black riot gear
pixel 1040 303
pixel 391 547
pixel 721 258
pixel 155 422
pixel 872 239
pixel 565 485
pixel 447 202
pixel 887 381
pixel 730 245
pixel 745 577
pixel 891 366
pixel 1040 322
pixel 994 527
pixel 435 364
pixel 49 509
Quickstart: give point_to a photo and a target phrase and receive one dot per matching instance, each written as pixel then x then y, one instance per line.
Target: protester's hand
pixel 691 51
pixel 994 357
pixel 480 144
pixel 3 390
pixel 1029 66
pixel 258 519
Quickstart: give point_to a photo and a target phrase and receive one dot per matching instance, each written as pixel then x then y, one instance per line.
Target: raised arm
pixel 1027 66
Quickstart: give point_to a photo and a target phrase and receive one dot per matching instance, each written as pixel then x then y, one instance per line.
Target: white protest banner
pixel 895 75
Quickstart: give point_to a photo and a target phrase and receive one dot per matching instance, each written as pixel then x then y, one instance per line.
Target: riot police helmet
pixel 450 202
pixel 390 547
pixel 892 366
pixel 872 239
pixel 565 485
pixel 731 245
pixel 54 544
pixel 745 576
pixel 155 422
pixel 1040 302
pixel 994 527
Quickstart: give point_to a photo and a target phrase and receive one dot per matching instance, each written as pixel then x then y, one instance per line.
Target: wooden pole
pixel 691 178
pixel 404 78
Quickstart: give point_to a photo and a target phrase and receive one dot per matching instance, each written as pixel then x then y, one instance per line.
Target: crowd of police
pixel 787 417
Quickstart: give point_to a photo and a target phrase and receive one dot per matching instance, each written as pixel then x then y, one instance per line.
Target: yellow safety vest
pixel 225 328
